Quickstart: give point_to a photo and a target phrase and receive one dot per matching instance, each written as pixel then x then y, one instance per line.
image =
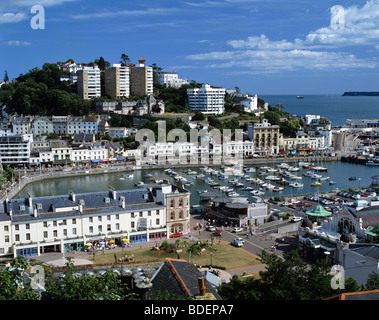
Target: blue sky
pixel 262 47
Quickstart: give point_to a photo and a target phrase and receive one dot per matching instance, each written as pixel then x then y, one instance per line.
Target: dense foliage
pixel 287 279
pixel 40 92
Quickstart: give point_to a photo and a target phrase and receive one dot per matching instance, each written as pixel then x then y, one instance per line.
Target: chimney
pixel 10 212
pixel 30 200
pixel 72 195
pixel 35 211
pixel 80 206
pixel 202 286
pixel 112 192
pixel 122 202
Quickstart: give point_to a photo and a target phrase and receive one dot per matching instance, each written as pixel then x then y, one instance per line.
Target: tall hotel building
pixel 89 85
pixel 117 81
pixel 141 79
pixel 206 99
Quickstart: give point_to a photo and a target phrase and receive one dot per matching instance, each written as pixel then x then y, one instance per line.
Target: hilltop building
pixel 206 99
pixel 88 82
pixel 117 81
pixel 141 79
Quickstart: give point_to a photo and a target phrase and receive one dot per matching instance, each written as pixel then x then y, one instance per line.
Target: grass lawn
pixel 225 255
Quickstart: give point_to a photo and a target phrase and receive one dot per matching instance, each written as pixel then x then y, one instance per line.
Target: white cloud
pixel 119 13
pixel 12 17
pixel 18 43
pixel 318 50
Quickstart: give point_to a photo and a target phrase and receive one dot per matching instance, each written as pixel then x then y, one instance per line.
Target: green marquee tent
pixel 318 211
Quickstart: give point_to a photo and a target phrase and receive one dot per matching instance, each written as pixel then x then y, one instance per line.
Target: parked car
pixel 211 228
pixel 236 243
pixel 237 229
pixel 176 235
pixel 296 219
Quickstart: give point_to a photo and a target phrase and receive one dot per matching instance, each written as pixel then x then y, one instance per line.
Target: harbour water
pixel 337 171
pixel 334 107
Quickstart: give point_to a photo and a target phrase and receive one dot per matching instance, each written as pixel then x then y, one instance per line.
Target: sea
pixel 335 107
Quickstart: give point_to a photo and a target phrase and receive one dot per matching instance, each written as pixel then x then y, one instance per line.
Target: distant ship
pixel 300 97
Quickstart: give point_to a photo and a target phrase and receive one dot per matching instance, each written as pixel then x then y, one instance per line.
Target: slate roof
pixel 368 250
pixel 94 203
pixel 180 278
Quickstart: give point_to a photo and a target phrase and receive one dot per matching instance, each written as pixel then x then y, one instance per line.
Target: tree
pixel 372 281
pixel 125 60
pixel 6 78
pixel 12 285
pixel 287 279
pixel 72 286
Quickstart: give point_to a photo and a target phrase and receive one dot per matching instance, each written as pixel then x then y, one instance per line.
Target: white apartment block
pixel 15 149
pixel 250 103
pixel 117 82
pixel 206 99
pixel 88 83
pixel 170 79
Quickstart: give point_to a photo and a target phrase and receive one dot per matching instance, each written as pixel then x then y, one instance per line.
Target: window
pixel 100 229
pixel 65 232
pixel 172 203
pixel 180 202
pixel 17 227
pixel 54 223
pixel 157 222
pixel 90 219
pixel 28 236
pixel 55 233
pixel 73 221
pixel 90 229
pixel 181 214
pixel 132 214
pixel 108 227
pixel 117 226
pixel 45 234
pixel 45 224
pixel 6 239
pixel 17 237
pixel 27 226
pixel 108 217
pixel 172 215
pixel 74 231
pixel 6 228
pixel 99 218
pixel 132 224
pixel 141 214
pixel 117 217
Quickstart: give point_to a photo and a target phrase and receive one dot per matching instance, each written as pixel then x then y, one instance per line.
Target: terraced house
pixel 31 226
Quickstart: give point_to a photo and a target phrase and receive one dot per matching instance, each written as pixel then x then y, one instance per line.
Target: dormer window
pixel 107 200
pixel 22 208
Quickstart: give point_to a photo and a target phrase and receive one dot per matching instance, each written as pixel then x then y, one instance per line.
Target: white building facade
pixel 206 99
